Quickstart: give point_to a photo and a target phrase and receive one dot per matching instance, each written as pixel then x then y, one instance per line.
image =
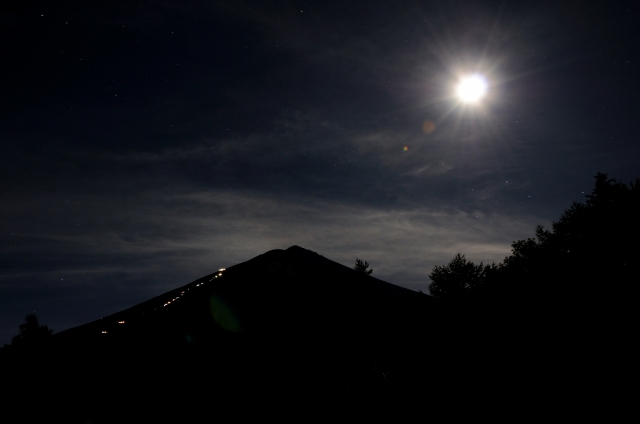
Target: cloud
pixel 186 234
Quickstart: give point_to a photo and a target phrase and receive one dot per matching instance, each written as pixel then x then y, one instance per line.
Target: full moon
pixel 471 89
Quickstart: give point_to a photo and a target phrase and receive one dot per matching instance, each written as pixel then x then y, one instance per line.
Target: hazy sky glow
pixel 147 145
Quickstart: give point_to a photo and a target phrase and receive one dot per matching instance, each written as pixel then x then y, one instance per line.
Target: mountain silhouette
pixel 286 332
pixel 279 292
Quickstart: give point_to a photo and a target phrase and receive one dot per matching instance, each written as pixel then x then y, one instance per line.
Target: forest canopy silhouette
pixel 561 302
pixel 591 250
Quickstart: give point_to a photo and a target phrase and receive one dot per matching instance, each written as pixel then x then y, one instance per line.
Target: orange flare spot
pixel 428 126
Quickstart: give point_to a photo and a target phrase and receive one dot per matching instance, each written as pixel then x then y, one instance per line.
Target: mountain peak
pixel 282 321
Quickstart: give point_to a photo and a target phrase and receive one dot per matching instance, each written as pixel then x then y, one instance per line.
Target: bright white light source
pixel 471 89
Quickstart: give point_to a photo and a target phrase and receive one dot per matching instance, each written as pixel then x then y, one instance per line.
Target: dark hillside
pixel 288 330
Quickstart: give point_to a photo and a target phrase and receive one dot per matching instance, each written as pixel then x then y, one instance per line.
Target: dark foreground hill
pixel 289 333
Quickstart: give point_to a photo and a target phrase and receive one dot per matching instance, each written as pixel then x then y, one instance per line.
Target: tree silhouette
pixel 362 266
pixel 593 243
pixel 458 279
pixel 31 332
pixel 563 301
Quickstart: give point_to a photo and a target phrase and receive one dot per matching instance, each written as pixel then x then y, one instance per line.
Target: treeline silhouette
pixel 558 311
pixel 592 248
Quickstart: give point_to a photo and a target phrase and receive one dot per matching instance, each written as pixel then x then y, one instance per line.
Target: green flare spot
pixel 223 315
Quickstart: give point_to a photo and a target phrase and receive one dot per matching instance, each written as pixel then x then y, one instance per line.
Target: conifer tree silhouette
pixel 31 332
pixel 362 266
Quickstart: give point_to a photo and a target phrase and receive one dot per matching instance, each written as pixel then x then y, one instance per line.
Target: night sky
pixel 147 144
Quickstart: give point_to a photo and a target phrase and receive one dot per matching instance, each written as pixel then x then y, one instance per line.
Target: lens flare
pixel 224 315
pixel 428 126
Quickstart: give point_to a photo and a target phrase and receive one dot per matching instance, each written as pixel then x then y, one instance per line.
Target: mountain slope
pixel 286 326
pixel 287 292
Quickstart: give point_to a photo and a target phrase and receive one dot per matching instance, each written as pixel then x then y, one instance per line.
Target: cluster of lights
pixel 182 293
pixel 175 298
pixel 220 271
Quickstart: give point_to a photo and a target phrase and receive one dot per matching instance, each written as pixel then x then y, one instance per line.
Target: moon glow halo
pixel 471 89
